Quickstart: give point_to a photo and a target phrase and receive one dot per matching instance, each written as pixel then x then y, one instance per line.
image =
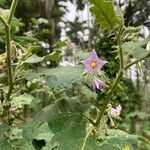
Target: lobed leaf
pixel 135 49
pixel 104 13
pixel 58 78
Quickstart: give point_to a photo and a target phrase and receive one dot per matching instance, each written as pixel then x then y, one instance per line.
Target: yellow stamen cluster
pixel 93 64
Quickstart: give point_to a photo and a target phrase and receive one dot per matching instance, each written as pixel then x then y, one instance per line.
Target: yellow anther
pixel 93 64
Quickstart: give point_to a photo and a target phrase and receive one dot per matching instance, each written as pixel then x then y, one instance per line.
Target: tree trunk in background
pixel 49 4
pixel 48 8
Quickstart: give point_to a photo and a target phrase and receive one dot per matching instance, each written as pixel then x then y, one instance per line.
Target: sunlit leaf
pixel 54 56
pixel 33 59
pixel 25 99
pixel 126 148
pixel 104 13
pixel 60 44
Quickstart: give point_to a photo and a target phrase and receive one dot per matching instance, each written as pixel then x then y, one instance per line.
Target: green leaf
pixel 59 78
pixel 140 53
pixel 3 129
pixel 76 135
pixel 140 115
pixel 69 131
pixel 33 59
pixel 60 44
pixel 33 49
pixel 38 128
pixel 88 94
pixel 4 145
pixel 118 140
pixel 55 109
pixel 81 55
pixel 22 144
pixel 63 77
pixel 2 2
pixel 104 13
pixel 136 49
pixel 44 133
pixel 25 99
pixel 70 128
pixel 143 42
pixel 126 148
pixel 66 129
pixel 23 39
pixel 54 56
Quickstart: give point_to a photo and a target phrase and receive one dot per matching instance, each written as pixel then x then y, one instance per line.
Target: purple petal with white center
pixel 90 59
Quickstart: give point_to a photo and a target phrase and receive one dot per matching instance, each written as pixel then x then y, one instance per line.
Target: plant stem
pixel 108 97
pixel 12 10
pixel 4 22
pixel 8 38
pixel 115 83
pixel 10 80
pixel 8 46
pixel 120 52
pixel 10 71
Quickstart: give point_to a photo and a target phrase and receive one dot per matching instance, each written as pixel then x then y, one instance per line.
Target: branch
pixel 135 62
pixel 108 96
pixel 4 22
pixel 115 83
pixel 10 71
pixel 8 47
pixel 10 79
pixel 143 139
pixel 12 10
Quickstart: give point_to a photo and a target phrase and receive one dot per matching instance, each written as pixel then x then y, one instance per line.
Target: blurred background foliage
pixel 41 23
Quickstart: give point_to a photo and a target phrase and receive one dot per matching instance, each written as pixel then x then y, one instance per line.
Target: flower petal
pixel 93 58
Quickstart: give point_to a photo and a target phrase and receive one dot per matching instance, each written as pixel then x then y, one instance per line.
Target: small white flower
pixel 115 112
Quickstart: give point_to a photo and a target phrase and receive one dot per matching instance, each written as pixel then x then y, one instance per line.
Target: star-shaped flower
pixel 93 64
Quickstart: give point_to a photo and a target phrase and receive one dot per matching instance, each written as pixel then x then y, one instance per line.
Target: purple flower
pixel 98 84
pixel 93 64
pixel 115 112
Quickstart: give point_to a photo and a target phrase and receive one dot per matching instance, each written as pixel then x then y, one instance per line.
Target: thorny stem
pixel 10 71
pixel 12 10
pixel 8 46
pixel 120 51
pixel 108 97
pixel 10 80
pixel 115 83
pixel 4 22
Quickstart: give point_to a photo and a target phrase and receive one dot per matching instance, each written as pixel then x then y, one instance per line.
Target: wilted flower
pixel 115 112
pixel 98 84
pixel 93 64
